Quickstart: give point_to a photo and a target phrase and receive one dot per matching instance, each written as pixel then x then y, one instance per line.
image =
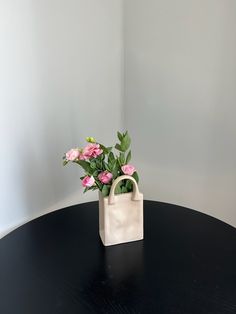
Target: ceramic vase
pixel 121 215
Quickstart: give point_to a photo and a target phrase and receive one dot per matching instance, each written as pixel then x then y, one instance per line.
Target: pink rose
pixel 92 151
pixel 72 154
pixel 88 181
pixel 105 177
pixel 82 157
pixel 128 169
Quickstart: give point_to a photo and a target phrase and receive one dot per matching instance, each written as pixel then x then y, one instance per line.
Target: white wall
pixel 180 96
pixel 60 80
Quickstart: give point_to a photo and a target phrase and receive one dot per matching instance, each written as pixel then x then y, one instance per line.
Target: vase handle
pixel 135 195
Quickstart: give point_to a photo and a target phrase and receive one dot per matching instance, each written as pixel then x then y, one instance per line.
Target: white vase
pixel 121 215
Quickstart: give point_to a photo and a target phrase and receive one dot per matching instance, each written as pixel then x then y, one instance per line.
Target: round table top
pixel 56 264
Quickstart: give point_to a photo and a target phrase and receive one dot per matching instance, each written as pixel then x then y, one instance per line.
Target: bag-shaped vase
pixel 121 215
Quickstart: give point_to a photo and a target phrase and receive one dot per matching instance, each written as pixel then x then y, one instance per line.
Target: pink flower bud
pixel 92 151
pixel 88 181
pixel 72 154
pixel 105 177
pixel 128 169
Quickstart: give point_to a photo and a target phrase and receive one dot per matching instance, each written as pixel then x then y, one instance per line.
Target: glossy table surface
pixel 56 264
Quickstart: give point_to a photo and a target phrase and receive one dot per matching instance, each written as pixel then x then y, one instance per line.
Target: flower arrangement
pixel 102 166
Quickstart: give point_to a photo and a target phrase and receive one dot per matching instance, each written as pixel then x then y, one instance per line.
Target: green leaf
pixel 85 165
pixel 95 173
pixel 114 163
pixel 111 157
pixel 124 189
pixel 91 188
pixel 135 176
pixel 99 164
pixel 86 189
pixel 118 147
pixel 119 136
pixel 106 150
pixel 122 159
pixel 105 190
pixel 65 162
pixel 118 188
pixel 107 167
pixel 128 158
pixel 99 185
pixel 129 185
pixel 110 166
pixel 93 164
pixel 103 148
pixel 125 143
pixel 115 170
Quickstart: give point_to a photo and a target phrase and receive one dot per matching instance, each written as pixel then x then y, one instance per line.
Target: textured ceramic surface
pixel 121 216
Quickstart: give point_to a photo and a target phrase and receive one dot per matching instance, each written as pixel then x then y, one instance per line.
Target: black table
pixel 56 264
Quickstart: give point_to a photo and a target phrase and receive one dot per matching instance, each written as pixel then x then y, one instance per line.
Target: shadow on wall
pixel 180 82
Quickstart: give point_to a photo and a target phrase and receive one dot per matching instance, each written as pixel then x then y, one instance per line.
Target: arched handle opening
pixel 135 195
